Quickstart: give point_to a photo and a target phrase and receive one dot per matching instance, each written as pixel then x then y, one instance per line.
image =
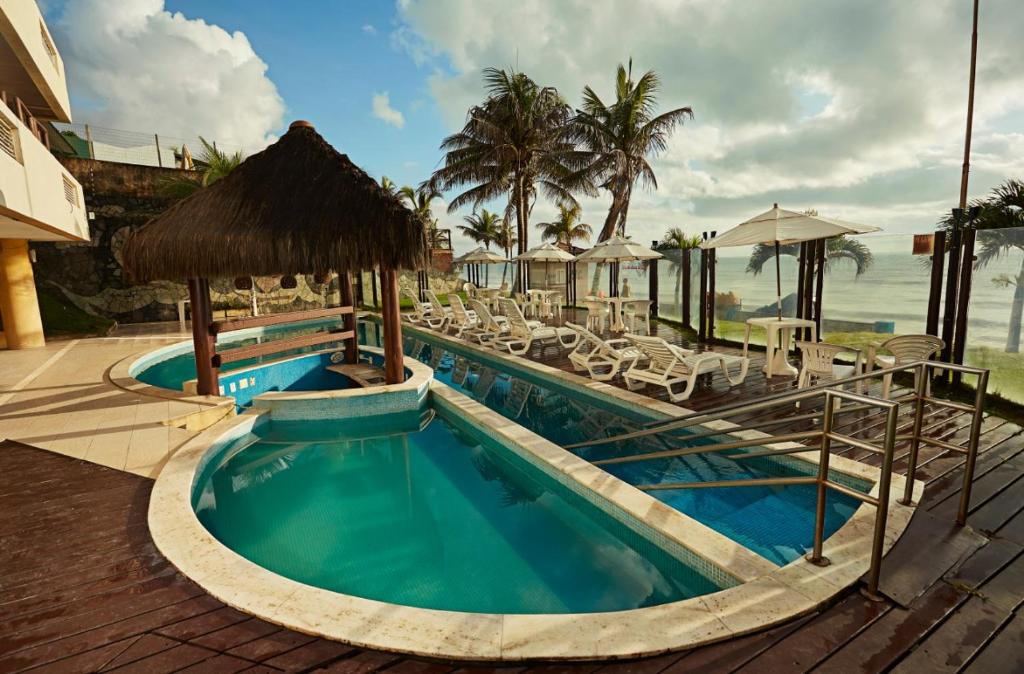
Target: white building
pixel 39 199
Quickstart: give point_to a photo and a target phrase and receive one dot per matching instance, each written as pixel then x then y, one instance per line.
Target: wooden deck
pixel 82 587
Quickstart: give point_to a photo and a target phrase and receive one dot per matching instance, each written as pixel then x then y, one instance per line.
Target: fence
pixel 132 147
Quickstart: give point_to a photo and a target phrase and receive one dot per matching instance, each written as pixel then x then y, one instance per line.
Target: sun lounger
pixel 669 365
pixel 522 335
pixel 601 358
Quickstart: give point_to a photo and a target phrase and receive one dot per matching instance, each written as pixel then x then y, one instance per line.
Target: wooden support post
pixel 394 365
pixel 652 283
pixel 820 284
pixel 935 291
pixel 963 302
pixel 203 341
pixel 952 283
pixel 159 159
pixel 702 310
pixel 712 259
pixel 801 297
pixel 360 292
pixel 686 254
pixel 348 321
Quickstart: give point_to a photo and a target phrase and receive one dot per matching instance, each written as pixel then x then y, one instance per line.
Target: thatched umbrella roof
pixel 297 207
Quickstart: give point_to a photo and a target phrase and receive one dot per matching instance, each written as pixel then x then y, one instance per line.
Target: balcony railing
pixel 21 110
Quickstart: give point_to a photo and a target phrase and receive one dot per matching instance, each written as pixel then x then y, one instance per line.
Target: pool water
pixel 777 522
pixel 435 518
pixel 174 371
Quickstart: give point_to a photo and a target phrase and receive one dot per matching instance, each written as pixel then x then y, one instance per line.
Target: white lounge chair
pixel 522 335
pixel 490 326
pixel 422 313
pixel 462 321
pixel 601 358
pixel 903 349
pixel 438 309
pixel 668 365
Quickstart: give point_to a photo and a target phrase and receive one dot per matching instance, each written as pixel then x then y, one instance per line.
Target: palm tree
pixel 566 229
pixel 1000 232
pixel 677 244
pixel 482 227
pixel 420 199
pixel 836 248
pixel 506 240
pixel 389 186
pixel 615 140
pixel 215 164
pixel 512 145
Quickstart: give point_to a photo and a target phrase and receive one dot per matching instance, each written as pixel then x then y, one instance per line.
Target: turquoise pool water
pixel 174 371
pixel 775 522
pixel 434 518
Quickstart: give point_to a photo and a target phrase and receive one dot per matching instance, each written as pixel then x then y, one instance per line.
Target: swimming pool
pixel 437 517
pixel 171 368
pixel 775 522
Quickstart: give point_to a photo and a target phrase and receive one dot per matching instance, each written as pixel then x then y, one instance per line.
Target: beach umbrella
pixel 481 255
pixel 781 227
pixel 618 249
pixel 546 253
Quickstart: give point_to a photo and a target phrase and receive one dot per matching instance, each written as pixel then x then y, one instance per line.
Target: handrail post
pixel 882 510
pixel 816 557
pixel 972 448
pixel 920 390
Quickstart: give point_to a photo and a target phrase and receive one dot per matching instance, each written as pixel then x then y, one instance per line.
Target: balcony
pixel 39 199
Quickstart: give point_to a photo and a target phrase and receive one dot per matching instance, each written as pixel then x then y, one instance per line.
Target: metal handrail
pixel 825 438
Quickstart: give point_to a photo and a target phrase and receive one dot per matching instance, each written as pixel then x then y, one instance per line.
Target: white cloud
pixel 854 108
pixel 369 29
pixel 382 110
pixel 141 68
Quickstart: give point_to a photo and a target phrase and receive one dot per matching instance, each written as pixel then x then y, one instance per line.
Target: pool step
pixel 363 374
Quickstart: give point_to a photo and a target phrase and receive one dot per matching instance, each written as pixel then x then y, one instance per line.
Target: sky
pixel 856 109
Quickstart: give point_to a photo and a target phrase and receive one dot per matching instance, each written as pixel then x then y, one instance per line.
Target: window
pixel 48 45
pixel 70 191
pixel 7 139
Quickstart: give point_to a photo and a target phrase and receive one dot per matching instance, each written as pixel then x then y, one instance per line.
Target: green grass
pixel 63 319
pixel 406 303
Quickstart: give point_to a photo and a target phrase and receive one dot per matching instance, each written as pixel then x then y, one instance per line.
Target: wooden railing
pixel 219 358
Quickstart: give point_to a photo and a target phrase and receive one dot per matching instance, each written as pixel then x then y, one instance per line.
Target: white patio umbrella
pixel 546 253
pixel 781 227
pixel 481 255
pixel 618 249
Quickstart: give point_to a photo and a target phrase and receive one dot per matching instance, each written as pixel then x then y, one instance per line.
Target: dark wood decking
pixel 82 587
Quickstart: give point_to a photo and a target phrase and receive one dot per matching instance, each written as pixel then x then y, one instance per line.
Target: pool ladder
pixel 832 396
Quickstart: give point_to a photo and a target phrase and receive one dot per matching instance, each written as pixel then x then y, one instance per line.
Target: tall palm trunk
pixel 1016 312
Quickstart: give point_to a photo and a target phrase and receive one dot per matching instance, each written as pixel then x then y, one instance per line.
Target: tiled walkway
pixel 59 398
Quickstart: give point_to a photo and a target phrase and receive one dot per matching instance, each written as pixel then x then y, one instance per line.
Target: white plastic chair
pixel 903 349
pixel 818 364
pixel 470 290
pixel 638 313
pixel 598 315
pixel 602 359
pixel 522 335
pixel 555 304
pixel 668 365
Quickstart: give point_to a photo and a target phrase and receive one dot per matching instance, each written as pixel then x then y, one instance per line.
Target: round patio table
pixel 779 336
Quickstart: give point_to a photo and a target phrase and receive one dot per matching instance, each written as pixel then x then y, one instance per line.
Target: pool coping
pixel 767 598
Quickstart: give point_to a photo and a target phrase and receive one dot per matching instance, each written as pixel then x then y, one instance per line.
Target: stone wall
pixel 120 198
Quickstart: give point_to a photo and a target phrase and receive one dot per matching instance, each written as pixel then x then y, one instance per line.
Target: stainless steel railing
pixel 832 396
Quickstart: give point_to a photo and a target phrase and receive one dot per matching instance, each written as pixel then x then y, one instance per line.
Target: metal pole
pixel 972 449
pixel 159 159
pixel 920 388
pixel 970 109
pixel 935 292
pixel 816 556
pixel 882 513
